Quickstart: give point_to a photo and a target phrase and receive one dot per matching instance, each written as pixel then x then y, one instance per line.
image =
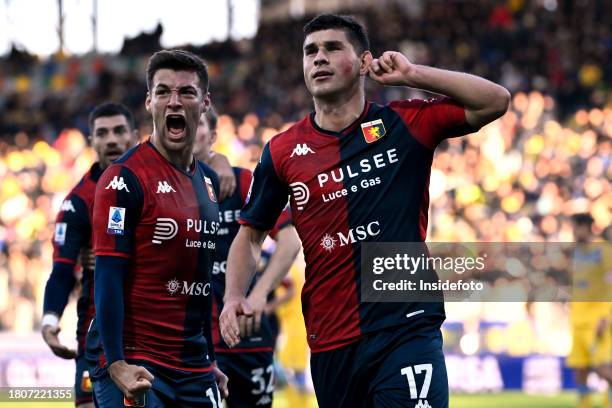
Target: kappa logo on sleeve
pixel 67 206
pixel 118 184
pixel 116 221
pixel 60 233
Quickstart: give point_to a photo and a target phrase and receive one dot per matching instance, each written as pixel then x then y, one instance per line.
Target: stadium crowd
pixel 518 179
pixel 559 47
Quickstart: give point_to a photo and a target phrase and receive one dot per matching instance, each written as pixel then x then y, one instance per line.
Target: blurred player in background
pixel 591 321
pixel 112 133
pixel 155 222
pixel 249 366
pixel 357 171
pixel 219 163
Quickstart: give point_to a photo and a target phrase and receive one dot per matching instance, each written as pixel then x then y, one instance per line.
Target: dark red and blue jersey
pixel 367 183
pixel 164 220
pixel 72 236
pixel 229 213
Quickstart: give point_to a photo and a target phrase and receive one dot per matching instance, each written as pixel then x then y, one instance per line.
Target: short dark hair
pixel 178 60
pixel 583 219
pixel 107 109
pixel 212 118
pixel 355 32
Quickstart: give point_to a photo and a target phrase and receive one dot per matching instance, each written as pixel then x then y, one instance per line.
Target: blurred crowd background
pixel 518 179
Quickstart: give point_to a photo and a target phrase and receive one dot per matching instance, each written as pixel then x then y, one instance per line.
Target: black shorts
pixel 390 368
pixel 251 378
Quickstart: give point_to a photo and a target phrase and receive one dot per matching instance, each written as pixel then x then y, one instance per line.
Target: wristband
pixel 49 319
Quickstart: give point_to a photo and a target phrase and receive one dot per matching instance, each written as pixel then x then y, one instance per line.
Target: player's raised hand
pixel 50 335
pixel 233 309
pixel 132 380
pixel 391 68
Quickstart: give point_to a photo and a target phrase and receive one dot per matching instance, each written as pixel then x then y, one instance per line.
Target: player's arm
pixel 117 208
pixel 288 293
pixel 72 232
pixel 483 100
pixel 287 247
pixel 227 180
pixel 241 265
pixel 266 199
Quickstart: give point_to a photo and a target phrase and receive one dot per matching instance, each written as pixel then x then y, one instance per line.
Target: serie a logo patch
pixel 116 221
pixel 374 130
pixel 60 233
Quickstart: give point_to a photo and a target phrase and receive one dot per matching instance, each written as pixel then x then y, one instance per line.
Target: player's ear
pixel 213 138
pixel 206 102
pixel 366 60
pixel 148 102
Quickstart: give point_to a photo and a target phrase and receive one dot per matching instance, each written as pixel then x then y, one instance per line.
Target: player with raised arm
pixel 112 132
pixel 155 222
pixel 359 172
pixel 249 365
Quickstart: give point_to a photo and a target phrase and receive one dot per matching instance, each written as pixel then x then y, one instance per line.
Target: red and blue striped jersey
pixel 72 235
pixel 164 220
pixel 367 183
pixel 229 213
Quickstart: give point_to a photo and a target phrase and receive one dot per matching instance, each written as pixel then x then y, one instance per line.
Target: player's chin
pixel 323 90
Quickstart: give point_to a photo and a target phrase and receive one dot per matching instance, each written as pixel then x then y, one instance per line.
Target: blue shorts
pixel 389 368
pixel 251 378
pixel 171 388
pixel 83 392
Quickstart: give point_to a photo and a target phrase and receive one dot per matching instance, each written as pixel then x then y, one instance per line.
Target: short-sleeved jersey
pixel 229 213
pixel 164 220
pixel 367 183
pixel 591 280
pixel 72 235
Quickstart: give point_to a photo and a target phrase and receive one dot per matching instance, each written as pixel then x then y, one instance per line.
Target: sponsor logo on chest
pixel 342 238
pixel 176 287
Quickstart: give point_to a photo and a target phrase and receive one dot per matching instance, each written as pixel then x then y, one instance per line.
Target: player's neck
pixel 183 159
pixel 336 114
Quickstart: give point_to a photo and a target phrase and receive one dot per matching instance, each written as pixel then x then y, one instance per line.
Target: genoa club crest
pixel 374 130
pixel 210 189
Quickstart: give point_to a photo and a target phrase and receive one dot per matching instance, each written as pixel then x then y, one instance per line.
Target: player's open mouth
pixel 175 125
pixel 113 155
